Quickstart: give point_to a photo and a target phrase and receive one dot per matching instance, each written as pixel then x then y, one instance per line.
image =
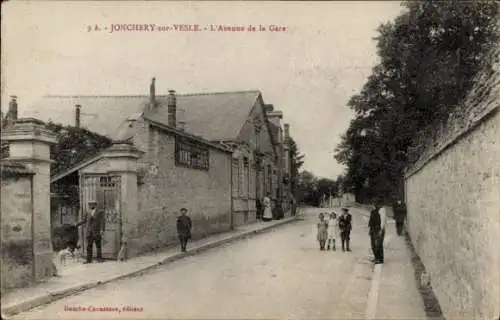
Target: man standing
pixel 345 226
pixel 377 223
pixel 374 225
pixel 94 229
pixel 293 205
pixel 258 208
pixel 399 216
pixel 184 228
pixel 380 243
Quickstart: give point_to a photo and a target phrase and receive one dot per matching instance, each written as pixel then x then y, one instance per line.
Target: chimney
pixel 181 119
pixel 152 94
pixel 172 108
pixel 13 108
pixel 274 116
pixel 287 131
pixel 77 115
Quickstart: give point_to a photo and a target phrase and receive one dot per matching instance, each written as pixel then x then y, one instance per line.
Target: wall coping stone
pixel 26 129
pixel 11 168
pixel 447 143
pixel 119 149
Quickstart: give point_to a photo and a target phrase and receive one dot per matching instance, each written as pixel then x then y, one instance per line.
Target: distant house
pixel 214 154
pixel 253 130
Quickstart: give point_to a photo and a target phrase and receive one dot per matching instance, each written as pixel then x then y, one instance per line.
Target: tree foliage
pixel 297 162
pixel 74 145
pixel 312 189
pixel 429 57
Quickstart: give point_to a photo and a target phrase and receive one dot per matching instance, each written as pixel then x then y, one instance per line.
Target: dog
pixel 64 255
pixel 65 236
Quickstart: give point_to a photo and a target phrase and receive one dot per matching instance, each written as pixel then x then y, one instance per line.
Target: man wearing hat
pixel 94 229
pixel 345 226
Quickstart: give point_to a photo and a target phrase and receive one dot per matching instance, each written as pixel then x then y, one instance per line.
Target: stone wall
pixel 453 201
pixel 165 188
pixel 17 240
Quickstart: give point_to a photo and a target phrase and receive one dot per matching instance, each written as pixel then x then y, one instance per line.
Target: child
pixel 184 228
pixel 322 231
pixel 332 230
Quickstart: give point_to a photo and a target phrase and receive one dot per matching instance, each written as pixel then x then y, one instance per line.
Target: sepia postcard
pixel 250 160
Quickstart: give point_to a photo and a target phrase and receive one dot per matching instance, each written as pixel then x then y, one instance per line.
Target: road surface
pixel 278 274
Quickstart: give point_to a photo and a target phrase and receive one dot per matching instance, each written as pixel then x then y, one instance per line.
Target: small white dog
pixel 63 256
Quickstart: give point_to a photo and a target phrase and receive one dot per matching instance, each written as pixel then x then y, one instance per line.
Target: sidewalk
pixel 76 278
pixel 394 293
pixel 399 297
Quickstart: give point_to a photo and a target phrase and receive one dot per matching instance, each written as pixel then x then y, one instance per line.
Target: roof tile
pixel 213 116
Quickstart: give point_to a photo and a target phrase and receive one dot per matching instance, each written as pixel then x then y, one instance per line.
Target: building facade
pixel 214 154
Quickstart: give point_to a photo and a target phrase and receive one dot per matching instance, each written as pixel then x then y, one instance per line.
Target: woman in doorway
pixel 268 213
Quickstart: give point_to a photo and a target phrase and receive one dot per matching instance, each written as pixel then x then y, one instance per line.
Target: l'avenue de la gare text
pixel 146 27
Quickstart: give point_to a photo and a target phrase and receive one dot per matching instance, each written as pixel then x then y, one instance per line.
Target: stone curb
pixel 52 296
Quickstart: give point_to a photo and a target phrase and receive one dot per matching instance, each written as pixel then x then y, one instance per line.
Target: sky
pixel 309 71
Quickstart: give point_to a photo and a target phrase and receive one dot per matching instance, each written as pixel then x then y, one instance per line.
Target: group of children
pixel 328 231
pixel 334 229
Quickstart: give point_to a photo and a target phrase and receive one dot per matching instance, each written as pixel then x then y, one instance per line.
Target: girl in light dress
pixel 268 213
pixel 322 231
pixel 332 231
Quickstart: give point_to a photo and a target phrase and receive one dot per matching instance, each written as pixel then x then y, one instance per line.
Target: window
pixel 246 177
pixel 269 186
pixel 241 181
pixel 235 176
pixel 190 154
pixel 104 181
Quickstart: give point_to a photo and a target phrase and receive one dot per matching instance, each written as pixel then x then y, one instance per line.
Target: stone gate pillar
pixel 29 143
pixel 122 159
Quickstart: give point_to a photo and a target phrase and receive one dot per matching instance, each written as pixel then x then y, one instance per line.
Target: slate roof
pixel 100 114
pixel 213 116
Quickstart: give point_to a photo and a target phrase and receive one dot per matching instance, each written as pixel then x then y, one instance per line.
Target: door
pixel 106 191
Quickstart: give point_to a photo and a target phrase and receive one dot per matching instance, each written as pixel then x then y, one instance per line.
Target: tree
pixel 74 145
pixel 312 189
pixel 306 187
pixel 429 56
pixel 296 163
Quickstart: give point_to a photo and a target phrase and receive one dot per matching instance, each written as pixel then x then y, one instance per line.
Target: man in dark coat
pixel 399 216
pixel 345 226
pixel 94 229
pixel 374 225
pixel 184 228
pixel 377 224
pixel 258 208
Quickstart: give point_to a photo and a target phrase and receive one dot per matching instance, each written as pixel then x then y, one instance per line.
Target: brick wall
pixel 453 200
pixel 17 240
pixel 165 188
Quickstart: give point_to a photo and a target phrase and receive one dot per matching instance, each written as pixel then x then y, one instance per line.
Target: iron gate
pixel 106 191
